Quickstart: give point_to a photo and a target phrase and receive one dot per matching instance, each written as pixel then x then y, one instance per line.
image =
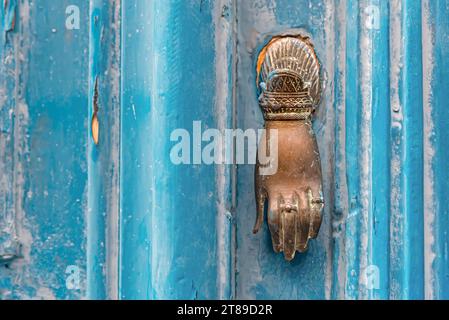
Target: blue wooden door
pixel 92 205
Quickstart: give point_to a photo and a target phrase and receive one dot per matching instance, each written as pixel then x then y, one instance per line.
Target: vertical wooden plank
pixel 377 23
pixel 136 180
pixel 367 134
pixel 436 86
pixel 49 114
pixel 430 209
pixel 262 274
pixel 396 218
pixel 407 228
pixel 340 200
pixel 103 154
pixel 9 246
pixel 225 46
pixel 412 157
pixel 413 154
pixel 185 218
pixel 353 102
pixel 176 219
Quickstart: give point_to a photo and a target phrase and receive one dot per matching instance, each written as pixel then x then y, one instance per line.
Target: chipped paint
pixel 396 128
pixel 328 136
pixel 365 147
pixel 103 156
pixel 36 275
pixel 430 209
pixel 8 17
pixel 95 123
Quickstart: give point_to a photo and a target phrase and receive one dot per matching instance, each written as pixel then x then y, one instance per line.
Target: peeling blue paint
pixel 103 158
pixel 45 99
pixel 439 15
pixel 8 17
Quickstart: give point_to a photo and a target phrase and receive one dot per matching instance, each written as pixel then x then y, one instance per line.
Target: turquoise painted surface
pixel 9 246
pixel 410 279
pixel 135 152
pixel 186 259
pixel 45 102
pixel 137 226
pixel 171 215
pixel 439 84
pixel 379 215
pixel 351 222
pixel 103 158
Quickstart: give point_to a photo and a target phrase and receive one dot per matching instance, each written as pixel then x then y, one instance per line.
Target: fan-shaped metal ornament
pixel 288 79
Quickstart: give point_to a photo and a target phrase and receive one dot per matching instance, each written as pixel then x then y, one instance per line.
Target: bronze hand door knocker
pixel 288 76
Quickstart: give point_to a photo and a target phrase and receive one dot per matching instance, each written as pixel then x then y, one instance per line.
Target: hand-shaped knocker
pixel 288 75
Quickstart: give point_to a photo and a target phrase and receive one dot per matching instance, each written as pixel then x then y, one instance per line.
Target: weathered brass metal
pixel 289 81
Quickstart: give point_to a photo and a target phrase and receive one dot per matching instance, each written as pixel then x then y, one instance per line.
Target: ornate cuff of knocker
pixel 288 79
pixel 282 106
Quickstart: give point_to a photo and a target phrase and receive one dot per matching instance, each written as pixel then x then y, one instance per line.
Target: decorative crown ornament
pixel 288 79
